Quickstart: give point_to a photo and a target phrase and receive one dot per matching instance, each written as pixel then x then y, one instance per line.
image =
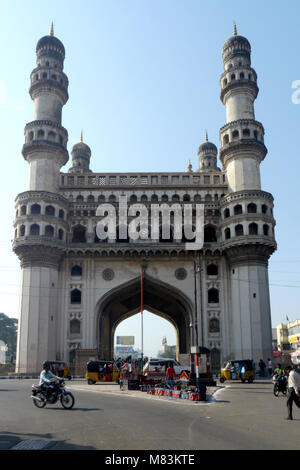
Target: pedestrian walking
pixel 170 374
pixel 293 391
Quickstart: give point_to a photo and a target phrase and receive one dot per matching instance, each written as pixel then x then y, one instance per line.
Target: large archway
pixel 159 298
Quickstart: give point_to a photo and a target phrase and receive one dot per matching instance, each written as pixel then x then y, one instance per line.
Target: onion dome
pixel 50 46
pixel 236 46
pixel 81 155
pixel 207 154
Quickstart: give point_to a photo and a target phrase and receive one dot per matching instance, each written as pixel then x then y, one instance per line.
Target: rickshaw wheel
pixel 91 382
pixel 222 380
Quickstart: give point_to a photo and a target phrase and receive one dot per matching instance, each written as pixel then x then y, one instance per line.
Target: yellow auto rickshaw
pixel 238 370
pixel 100 371
pixel 60 369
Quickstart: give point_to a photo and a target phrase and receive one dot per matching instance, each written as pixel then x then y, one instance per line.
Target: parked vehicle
pixel 280 385
pixel 56 391
pixel 98 371
pixel 238 370
pixel 159 365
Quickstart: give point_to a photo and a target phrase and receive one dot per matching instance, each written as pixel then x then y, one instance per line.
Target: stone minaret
pixel 41 213
pixel 247 211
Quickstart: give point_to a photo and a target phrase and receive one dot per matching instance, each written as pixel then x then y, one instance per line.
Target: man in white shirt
pixel 46 377
pixel 293 391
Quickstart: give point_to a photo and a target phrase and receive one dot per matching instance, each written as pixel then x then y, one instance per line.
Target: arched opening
pixel 239 230
pixel 227 233
pixel 266 229
pixel 210 234
pixel 215 361
pixel 35 209
pixel 252 208
pixel 253 229
pixel 79 234
pixel 75 296
pixel 34 230
pixel 226 213
pixel 212 270
pixel 238 209
pixel 159 298
pixel 22 231
pixel 213 295
pixel 50 210
pixel 49 231
pixel 76 271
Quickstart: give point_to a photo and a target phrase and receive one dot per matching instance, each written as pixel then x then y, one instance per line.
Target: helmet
pixel 46 364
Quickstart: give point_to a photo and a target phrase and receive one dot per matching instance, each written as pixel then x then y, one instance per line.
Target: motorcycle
pixel 280 385
pixel 56 391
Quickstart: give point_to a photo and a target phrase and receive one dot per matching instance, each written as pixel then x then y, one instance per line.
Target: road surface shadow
pixel 9 440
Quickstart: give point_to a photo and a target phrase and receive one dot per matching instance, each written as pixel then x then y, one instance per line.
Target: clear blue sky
pixel 144 86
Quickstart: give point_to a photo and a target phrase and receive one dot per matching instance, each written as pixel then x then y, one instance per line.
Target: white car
pixel 160 364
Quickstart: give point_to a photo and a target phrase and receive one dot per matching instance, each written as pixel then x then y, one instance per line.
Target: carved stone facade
pixel 76 288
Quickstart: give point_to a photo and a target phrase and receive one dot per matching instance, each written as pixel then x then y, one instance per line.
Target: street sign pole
pixel 142 320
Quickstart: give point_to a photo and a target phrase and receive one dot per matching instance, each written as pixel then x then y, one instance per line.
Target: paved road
pixel 241 416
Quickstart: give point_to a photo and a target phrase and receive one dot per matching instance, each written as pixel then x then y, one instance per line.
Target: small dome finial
pixel 81 136
pixel 52 30
pixel 206 136
pixel 234 29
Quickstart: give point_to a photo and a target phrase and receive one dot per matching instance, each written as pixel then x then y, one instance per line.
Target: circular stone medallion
pixel 108 274
pixel 180 274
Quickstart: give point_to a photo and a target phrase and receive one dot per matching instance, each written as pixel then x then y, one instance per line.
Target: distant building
pixel 167 351
pixel 288 340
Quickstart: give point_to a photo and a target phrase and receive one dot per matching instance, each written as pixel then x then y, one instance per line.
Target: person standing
pixel 293 391
pixel 262 367
pixel 270 367
pixel 170 374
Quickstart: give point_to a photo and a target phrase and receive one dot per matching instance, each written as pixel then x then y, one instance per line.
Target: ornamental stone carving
pixel 108 274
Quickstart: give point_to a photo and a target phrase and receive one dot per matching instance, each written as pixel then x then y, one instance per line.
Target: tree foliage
pixel 8 333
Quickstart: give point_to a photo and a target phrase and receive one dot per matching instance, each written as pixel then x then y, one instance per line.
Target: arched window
pixel 23 210
pixel 212 270
pixel 35 209
pixel 227 233
pixel 76 271
pixel 154 198
pixel 175 198
pixel 61 214
pixel 51 135
pixel 31 136
pixel 164 198
pixel 22 231
pixel 242 75
pixel 235 134
pixel 186 198
pixel 208 197
pixel 246 133
pixel 213 295
pixel 214 325
pixel 101 198
pixel 79 234
pixel 232 76
pixel 251 208
pixel 210 234
pixel 34 230
pixel 197 198
pixel 75 327
pixel 60 234
pixel 226 213
pixel 225 82
pixel 79 198
pixel 50 210
pixel 144 198
pixel 226 139
pixel 41 134
pixel 239 230
pixel 49 231
pixel 75 296
pixel 266 229
pixel 253 229
pixel 112 198
pixel 238 209
pixel 90 198
pixel 264 209
pixel 133 198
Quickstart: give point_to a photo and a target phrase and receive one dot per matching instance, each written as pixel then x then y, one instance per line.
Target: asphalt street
pixel 239 417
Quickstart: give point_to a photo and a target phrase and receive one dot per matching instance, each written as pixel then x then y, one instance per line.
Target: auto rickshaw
pixel 98 371
pixel 60 369
pixel 238 370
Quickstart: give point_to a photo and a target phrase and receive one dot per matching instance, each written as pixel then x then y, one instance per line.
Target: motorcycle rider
pixel 46 377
